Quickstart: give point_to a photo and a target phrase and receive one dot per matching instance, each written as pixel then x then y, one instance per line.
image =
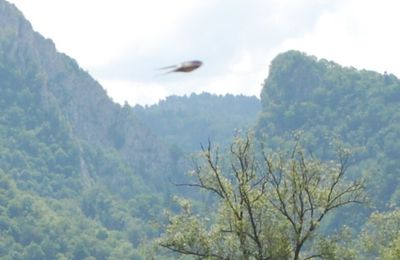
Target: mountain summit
pixel 73 96
pixel 69 156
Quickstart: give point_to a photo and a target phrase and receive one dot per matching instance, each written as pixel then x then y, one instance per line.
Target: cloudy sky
pixel 123 42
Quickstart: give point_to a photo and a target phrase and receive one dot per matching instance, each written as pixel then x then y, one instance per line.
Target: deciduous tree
pixel 268 206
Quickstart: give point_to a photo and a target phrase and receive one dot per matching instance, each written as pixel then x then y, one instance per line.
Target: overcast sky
pixel 122 42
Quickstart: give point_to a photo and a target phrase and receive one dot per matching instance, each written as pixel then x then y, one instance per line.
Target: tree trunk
pixel 297 253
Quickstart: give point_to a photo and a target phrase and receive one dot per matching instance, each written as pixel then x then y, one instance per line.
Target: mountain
pixel 327 101
pixel 82 177
pixel 64 88
pixel 190 121
pixel 73 164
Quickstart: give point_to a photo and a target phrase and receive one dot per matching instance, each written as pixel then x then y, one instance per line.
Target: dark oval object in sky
pixel 186 66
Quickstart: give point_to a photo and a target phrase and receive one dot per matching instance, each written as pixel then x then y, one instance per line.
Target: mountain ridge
pixel 191 121
pixel 84 103
pixel 325 100
pixel 81 176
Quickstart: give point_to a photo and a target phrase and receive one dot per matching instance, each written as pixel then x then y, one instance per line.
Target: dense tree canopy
pixel 189 121
pixel 325 101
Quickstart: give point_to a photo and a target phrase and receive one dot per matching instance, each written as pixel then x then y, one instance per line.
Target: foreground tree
pixel 304 190
pixel 268 206
pixel 380 237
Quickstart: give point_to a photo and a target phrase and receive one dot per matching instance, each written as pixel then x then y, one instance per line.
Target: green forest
pixel 189 121
pixel 308 171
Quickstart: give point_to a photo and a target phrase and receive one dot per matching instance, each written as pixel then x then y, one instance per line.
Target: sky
pixel 122 43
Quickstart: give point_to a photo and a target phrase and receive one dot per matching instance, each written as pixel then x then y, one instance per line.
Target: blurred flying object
pixel 186 66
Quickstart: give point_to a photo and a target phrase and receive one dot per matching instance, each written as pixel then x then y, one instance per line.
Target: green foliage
pixel 380 235
pixel 34 141
pixel 325 100
pixel 84 178
pixel 189 121
pixel 74 166
pixel 33 227
pixel 337 246
pixel 267 208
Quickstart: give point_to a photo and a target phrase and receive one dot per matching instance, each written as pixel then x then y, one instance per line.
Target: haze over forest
pixel 308 170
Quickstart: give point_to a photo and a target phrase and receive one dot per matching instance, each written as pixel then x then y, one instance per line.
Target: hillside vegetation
pixel 189 121
pixel 82 177
pixel 333 193
pixel 325 100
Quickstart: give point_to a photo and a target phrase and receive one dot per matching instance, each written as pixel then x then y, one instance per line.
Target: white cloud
pixel 98 32
pixel 134 92
pixel 360 34
pixel 122 42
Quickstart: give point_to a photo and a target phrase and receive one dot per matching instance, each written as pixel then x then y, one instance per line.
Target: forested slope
pixel 317 118
pixel 326 101
pixel 189 121
pixel 72 162
pixel 81 176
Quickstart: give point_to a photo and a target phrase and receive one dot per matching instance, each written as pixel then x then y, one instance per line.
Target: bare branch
pixel 189 252
pixel 200 186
